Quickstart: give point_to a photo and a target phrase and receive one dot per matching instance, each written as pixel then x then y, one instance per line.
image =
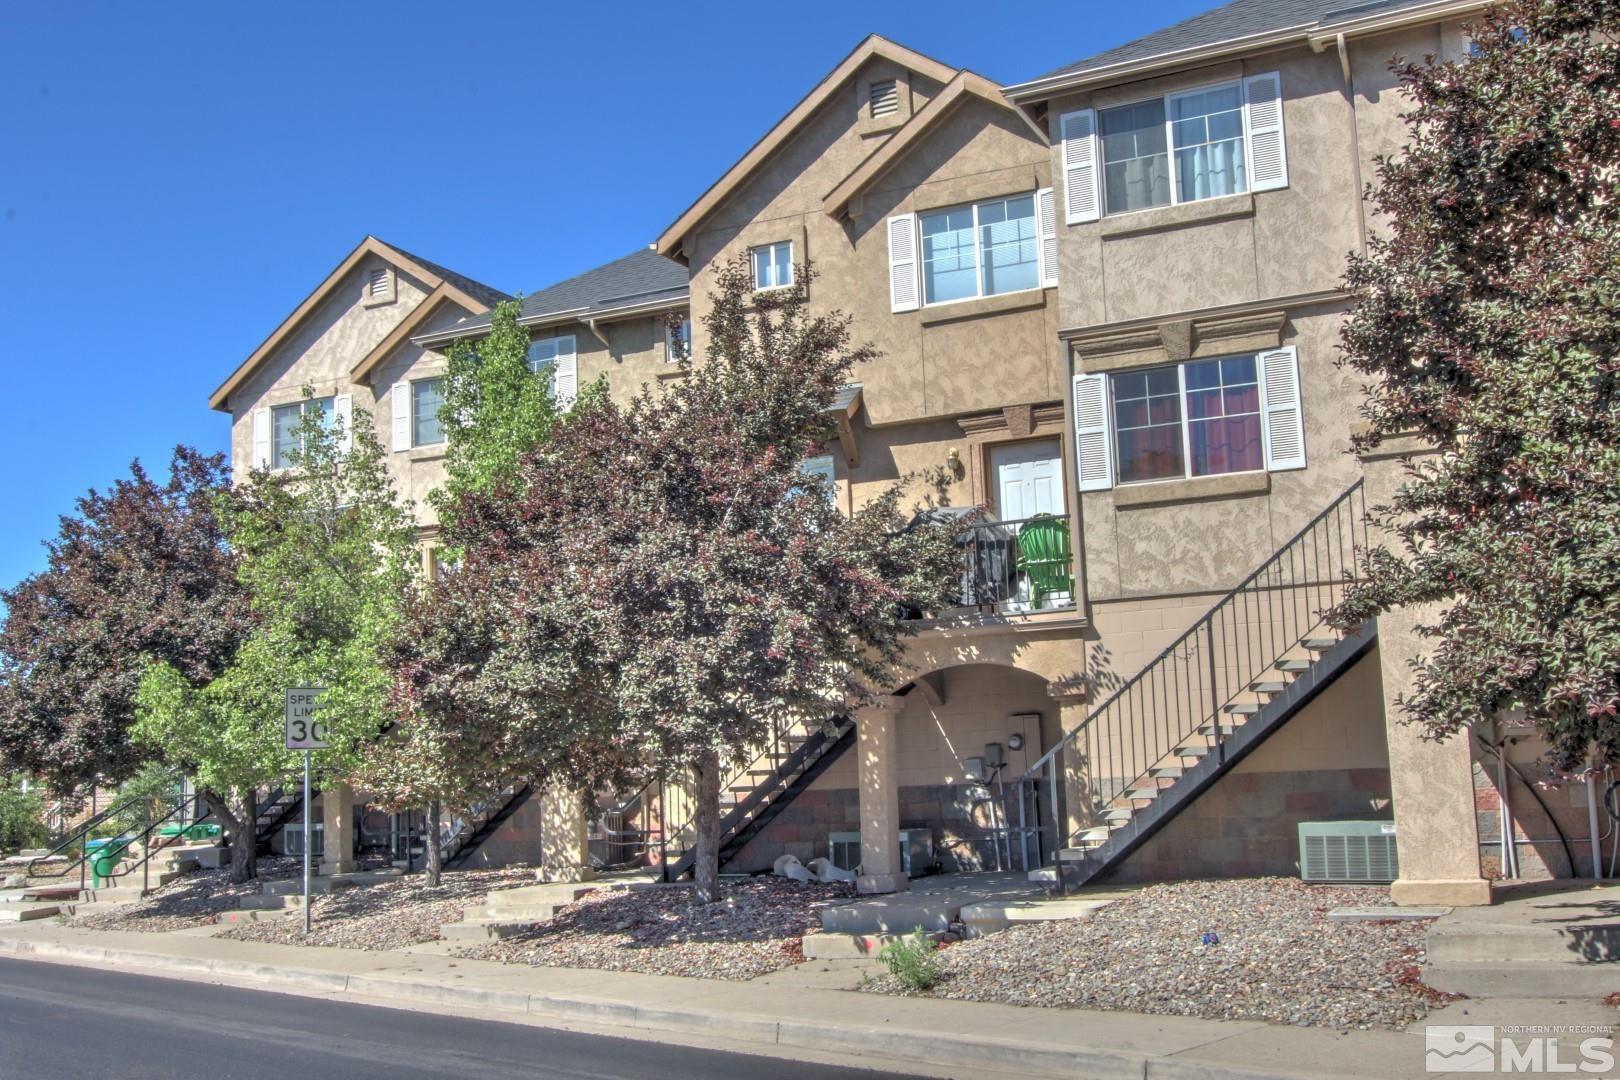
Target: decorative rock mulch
pixel 1275 957
pixel 757 928
pixel 391 915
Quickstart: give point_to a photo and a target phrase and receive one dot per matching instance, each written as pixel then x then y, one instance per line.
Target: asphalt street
pixel 77 1023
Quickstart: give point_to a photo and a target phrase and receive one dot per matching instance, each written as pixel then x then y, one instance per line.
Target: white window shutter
pixel 565 374
pixel 1046 225
pixel 1268 152
pixel 343 416
pixel 1078 131
pixel 1283 429
pixel 904 294
pixel 401 404
pixel 1093 443
pixel 261 438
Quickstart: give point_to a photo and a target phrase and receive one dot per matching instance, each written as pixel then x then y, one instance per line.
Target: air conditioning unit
pixel 916 850
pixel 292 839
pixel 1362 851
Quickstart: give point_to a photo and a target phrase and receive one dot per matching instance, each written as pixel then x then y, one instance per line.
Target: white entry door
pixel 1029 479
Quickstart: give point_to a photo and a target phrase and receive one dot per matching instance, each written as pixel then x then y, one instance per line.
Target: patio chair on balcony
pixel 1044 556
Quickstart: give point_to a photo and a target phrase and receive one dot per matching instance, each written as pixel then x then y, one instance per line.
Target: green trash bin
pixel 103 857
pixel 202 832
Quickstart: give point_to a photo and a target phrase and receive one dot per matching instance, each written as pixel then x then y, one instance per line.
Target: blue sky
pixel 176 177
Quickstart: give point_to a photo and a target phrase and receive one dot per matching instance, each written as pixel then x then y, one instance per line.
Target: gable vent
pixel 377 283
pixel 885 97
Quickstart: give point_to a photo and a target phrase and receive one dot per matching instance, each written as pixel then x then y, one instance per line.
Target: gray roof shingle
pixel 641 277
pixel 1238 19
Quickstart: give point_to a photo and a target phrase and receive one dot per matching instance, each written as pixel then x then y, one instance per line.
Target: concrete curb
pixel 900 1045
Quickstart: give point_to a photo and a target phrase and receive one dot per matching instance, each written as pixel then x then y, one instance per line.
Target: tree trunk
pixel 431 850
pixel 706 820
pixel 240 833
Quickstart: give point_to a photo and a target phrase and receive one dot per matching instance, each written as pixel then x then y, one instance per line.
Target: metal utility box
pixel 1362 851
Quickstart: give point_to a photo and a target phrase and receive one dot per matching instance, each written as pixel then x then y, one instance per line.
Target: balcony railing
pixel 1017 566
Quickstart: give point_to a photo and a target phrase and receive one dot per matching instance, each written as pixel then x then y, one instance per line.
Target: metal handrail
pixel 992 562
pixel 1192 631
pixel 82 833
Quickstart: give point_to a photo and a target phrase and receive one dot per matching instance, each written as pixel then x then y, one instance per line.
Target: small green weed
pixel 914 960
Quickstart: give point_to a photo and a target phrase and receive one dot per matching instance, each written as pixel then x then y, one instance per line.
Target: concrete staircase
pixel 509 912
pixel 1557 939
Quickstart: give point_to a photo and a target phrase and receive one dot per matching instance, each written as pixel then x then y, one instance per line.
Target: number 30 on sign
pixel 304 731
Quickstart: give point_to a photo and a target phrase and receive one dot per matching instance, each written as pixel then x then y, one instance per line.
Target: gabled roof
pixel 964 86
pixel 670 242
pixel 471 294
pixel 1239 24
pixel 641 279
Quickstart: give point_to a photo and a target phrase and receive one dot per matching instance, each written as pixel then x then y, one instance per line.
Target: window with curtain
pixel 1223 416
pixel 983 249
pixel 1136 165
pixel 773 265
pixel 427 398
pixel 284 427
pixel 1206 130
pixel 1201 418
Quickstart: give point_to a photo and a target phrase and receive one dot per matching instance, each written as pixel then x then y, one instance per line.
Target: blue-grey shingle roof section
pixel 641 277
pixel 484 294
pixel 1238 19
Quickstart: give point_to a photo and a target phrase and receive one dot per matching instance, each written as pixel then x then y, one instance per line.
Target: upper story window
pixel 981 249
pixel 822 466
pixel 773 265
pixel 555 359
pixel 284 420
pixel 427 399
pixel 1200 418
pixel 678 342
pixel 1182 147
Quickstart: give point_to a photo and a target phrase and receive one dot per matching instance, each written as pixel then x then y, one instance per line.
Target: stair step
pixel 1166 772
pixel 1227 725
pixel 1143 792
pixel 1118 813
pixel 1241 708
pixel 1320 642
pixel 1268 686
pixel 1192 750
pixel 1293 664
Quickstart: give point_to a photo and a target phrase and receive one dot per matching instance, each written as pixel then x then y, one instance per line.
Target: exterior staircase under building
pixel 1248 665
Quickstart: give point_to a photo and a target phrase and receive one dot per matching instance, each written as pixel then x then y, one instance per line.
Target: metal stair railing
pixel 785 765
pixel 181 808
pixel 457 835
pixel 1190 696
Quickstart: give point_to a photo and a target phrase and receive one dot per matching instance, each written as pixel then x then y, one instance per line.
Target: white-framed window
pixel 1230 414
pixel 773 265
pixel 427 399
pixel 678 342
pixel 1203 143
pixel 284 420
pixel 822 466
pixel 555 358
pixel 981 249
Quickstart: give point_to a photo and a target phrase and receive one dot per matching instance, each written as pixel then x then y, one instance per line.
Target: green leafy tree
pixel 495 411
pixel 326 552
pixel 661 583
pixel 140 573
pixel 1490 325
pixel 22 817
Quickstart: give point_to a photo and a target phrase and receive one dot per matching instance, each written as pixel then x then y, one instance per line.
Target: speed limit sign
pixel 304 731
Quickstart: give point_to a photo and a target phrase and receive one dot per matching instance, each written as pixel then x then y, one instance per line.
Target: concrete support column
pixel 1431 783
pixel 878 767
pixel 565 847
pixel 1072 711
pixel 337 828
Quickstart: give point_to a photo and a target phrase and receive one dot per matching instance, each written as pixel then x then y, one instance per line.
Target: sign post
pixel 306 733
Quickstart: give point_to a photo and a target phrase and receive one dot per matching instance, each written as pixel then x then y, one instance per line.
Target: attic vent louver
pixel 885 98
pixel 377 283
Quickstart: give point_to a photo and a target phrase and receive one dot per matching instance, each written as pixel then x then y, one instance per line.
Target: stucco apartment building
pixel 1106 302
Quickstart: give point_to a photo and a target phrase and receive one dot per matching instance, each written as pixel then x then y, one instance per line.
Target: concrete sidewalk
pixel 910 1034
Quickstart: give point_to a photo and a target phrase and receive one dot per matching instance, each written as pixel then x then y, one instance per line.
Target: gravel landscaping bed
pixel 757 928
pixel 1278 958
pixel 194 900
pixel 391 915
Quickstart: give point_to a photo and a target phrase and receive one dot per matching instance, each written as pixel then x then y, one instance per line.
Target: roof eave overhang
pixel 1313 34
pixel 587 315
